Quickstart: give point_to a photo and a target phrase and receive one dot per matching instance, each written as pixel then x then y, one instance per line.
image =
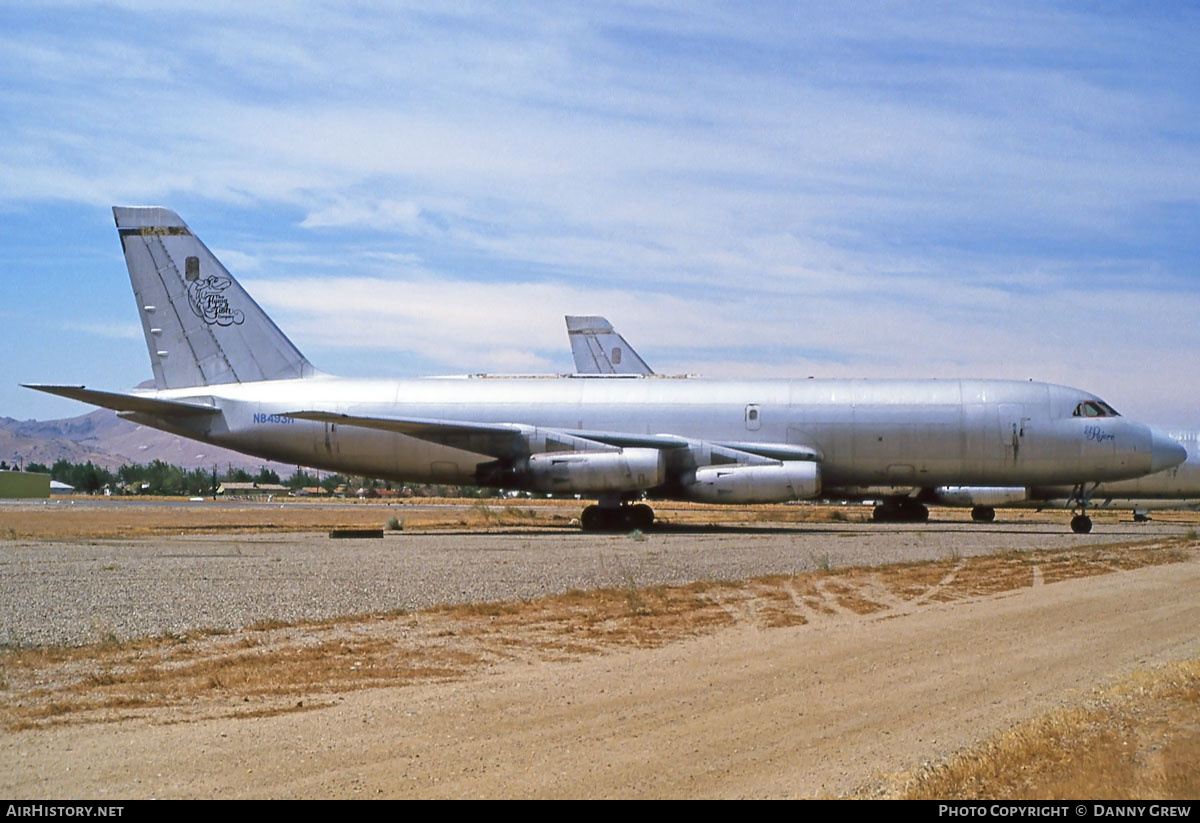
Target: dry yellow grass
pixel 138 517
pixel 133 517
pixel 1140 739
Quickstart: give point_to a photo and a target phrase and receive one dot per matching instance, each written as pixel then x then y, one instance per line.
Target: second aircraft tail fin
pixel 201 326
pixel 598 349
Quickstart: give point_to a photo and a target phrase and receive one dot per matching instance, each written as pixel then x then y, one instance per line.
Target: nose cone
pixel 1165 453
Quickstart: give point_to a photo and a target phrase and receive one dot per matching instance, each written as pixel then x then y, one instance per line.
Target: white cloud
pixel 384 215
pixel 116 331
pixel 237 261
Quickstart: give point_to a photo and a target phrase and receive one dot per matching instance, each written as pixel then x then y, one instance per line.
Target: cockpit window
pixel 1094 408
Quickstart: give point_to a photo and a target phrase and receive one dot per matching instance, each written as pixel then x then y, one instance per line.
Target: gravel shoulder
pixel 88 590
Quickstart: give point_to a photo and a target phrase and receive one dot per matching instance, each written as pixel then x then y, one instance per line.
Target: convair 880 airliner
pixel 226 375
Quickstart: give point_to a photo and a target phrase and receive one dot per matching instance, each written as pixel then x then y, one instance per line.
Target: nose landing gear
pixel 1081 523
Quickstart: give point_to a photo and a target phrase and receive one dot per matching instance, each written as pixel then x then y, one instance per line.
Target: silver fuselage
pixel 920 433
pixel 1176 487
pixel 1180 482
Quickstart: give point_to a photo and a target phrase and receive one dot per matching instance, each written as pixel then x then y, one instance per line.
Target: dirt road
pixel 827 708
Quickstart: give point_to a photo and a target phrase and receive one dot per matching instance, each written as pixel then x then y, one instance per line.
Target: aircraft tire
pixel 906 511
pixel 983 514
pixel 640 516
pixel 593 519
pixel 1081 524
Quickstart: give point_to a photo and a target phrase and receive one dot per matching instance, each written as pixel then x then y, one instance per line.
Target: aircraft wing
pixel 128 402
pixel 500 440
pixel 514 440
pixel 722 452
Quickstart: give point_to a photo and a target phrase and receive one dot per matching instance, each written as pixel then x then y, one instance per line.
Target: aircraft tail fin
pixel 201 327
pixel 598 349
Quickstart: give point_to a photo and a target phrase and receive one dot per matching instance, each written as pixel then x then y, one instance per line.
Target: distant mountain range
pixel 109 441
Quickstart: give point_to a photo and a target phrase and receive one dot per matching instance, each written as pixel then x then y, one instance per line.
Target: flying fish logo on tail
pixel 206 296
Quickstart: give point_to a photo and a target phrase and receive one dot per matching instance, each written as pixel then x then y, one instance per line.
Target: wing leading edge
pixel 516 440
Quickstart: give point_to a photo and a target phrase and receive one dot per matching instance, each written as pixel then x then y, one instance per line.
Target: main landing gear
pixel 905 510
pixel 983 514
pixel 620 518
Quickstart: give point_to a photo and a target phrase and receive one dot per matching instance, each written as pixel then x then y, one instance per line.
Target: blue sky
pixel 760 189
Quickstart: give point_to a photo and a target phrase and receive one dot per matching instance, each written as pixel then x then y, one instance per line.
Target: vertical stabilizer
pixel 598 349
pixel 201 327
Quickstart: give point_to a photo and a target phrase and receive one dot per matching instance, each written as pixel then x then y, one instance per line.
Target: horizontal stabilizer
pixel 128 402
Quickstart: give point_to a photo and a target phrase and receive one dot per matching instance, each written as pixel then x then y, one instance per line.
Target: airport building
pixel 252 490
pixel 15 484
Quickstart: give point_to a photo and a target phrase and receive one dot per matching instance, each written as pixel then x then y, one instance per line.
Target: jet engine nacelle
pixel 627 470
pixel 790 480
pixel 980 495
